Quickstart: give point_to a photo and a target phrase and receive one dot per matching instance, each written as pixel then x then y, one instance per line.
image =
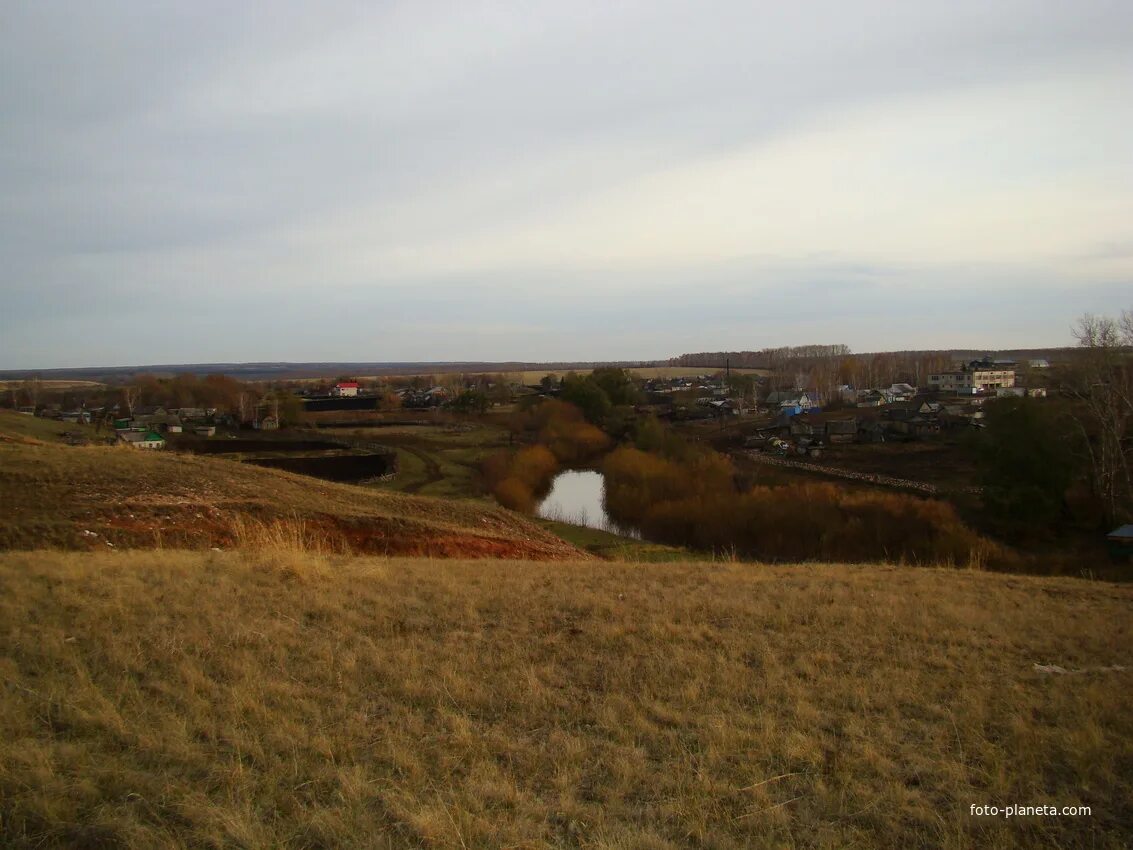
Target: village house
pixel 790 402
pixel 873 398
pixel 913 427
pixel 192 413
pixel 801 427
pixel 142 439
pixel 841 430
pixel 158 422
pixel 345 389
pixel 723 407
pixel 976 377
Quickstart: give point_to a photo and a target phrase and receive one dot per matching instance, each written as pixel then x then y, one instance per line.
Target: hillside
pixel 92 496
pixel 274 699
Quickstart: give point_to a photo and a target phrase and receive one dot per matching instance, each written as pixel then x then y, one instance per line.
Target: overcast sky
pixel 218 181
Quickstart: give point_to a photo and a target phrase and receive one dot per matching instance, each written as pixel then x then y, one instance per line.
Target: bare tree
pixel 32 389
pixel 1102 384
pixel 130 395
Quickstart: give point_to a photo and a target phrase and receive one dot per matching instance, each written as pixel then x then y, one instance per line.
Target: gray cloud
pixel 409 180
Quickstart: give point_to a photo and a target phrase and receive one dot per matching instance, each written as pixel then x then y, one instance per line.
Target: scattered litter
pixel 216 549
pixel 108 543
pixel 86 533
pixel 1054 668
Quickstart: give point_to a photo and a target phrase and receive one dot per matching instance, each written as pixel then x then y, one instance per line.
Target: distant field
pixel 53 385
pixel 530 377
pixel 276 699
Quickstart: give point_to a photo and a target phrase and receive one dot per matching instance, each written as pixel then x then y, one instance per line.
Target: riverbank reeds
pixel 695 503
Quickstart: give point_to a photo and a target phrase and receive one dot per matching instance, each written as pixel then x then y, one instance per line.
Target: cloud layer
pixel 412 181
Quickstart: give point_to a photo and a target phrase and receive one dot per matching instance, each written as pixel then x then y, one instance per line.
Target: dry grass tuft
pixel 197 699
pixel 293 547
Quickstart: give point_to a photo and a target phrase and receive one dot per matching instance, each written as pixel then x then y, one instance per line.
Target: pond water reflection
pixel 578 497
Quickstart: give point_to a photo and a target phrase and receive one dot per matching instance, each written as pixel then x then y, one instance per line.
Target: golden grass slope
pixel 95 496
pixel 273 699
pixel 23 428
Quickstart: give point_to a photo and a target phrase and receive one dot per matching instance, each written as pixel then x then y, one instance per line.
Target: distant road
pixel 868 477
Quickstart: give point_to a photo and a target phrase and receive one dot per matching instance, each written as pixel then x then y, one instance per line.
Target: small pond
pixel 578 497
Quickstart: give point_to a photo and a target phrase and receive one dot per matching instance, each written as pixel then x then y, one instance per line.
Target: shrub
pixel 516 478
pixel 695 503
pixel 535 466
pixel 574 442
pixel 495 468
pixel 553 410
pixel 515 494
pixel 649 434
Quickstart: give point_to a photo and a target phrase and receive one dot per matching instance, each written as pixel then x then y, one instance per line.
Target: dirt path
pixel 432 469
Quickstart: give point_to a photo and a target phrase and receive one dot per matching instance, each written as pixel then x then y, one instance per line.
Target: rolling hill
pixel 108 496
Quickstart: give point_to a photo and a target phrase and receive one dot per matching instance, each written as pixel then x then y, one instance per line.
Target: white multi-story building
pixel 974 378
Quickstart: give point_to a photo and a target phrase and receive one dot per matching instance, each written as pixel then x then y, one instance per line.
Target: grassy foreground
pixel 272 699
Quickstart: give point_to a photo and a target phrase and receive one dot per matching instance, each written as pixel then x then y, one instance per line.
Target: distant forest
pixel 772 358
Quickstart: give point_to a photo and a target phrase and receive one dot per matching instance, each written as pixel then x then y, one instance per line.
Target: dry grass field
pixel 272 698
pixel 49 386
